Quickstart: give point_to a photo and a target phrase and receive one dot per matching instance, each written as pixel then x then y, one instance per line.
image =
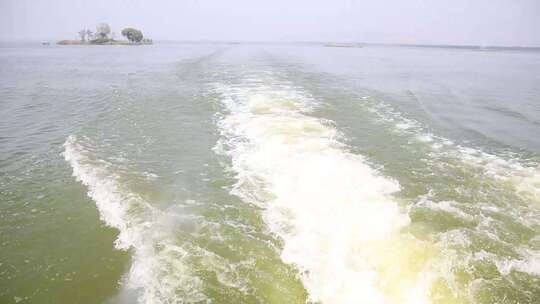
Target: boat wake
pixel 159 267
pixel 340 225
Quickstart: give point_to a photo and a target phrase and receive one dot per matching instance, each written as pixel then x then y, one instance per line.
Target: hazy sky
pixel 481 22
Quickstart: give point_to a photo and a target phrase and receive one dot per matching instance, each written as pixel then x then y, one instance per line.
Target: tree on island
pixel 89 35
pixel 133 35
pixel 102 31
pixel 82 34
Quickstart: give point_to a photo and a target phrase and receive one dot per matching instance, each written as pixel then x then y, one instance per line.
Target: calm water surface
pixel 268 174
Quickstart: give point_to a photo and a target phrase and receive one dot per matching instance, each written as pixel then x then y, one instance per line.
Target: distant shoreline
pixel 352 44
pixel 314 43
pixel 344 45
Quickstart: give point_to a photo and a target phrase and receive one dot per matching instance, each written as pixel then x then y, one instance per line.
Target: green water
pixel 179 173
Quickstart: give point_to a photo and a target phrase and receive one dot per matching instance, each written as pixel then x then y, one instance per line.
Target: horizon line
pixel 352 43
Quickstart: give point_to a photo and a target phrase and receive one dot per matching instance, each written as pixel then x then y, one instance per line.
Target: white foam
pixel 403 125
pixel 451 207
pixel 336 215
pixel 524 178
pixel 529 261
pixel 158 269
pixel 425 138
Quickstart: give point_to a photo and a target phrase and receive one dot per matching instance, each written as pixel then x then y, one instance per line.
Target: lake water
pixel 178 173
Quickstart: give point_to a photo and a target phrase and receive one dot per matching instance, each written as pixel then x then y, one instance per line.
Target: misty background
pixel 461 22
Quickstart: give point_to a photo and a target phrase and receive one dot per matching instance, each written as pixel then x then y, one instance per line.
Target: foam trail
pixel 158 269
pixel 525 178
pixel 335 214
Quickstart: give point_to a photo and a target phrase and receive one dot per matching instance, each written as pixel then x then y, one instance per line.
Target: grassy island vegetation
pixel 104 36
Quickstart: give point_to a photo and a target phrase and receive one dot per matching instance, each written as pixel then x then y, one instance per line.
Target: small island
pixel 344 45
pixel 104 36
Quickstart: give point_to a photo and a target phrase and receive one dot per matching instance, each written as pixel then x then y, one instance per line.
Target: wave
pixel 159 269
pixel 340 224
pixel 522 175
pixel 486 198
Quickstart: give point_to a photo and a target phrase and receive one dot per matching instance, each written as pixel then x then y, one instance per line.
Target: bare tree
pixel 82 34
pixel 89 35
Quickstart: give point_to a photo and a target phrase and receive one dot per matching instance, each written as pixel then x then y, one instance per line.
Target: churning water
pixel 269 174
